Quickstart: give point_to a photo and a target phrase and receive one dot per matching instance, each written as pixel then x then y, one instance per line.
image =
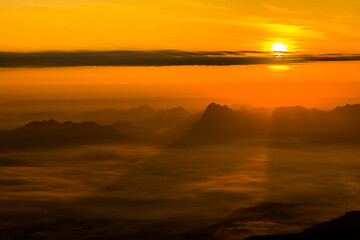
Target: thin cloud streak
pixel 159 58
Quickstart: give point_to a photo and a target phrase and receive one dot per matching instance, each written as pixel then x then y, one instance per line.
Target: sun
pixel 279 47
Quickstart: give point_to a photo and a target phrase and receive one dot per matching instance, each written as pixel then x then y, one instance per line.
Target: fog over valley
pixel 169 173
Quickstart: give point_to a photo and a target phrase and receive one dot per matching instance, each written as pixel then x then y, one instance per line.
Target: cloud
pixel 159 58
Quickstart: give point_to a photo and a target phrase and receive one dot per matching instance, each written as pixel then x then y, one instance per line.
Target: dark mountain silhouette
pixel 220 123
pixel 43 134
pixel 344 228
pixel 220 120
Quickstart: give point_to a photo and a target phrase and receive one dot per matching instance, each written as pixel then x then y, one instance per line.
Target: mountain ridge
pixel 50 133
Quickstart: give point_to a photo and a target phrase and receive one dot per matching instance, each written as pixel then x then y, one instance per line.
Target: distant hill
pixel 165 126
pixel 220 123
pixel 172 114
pixel 144 115
pixel 340 124
pixel 344 228
pixel 350 110
pixel 165 118
pixel 32 116
pixel 44 134
pixel 111 115
pixel 298 122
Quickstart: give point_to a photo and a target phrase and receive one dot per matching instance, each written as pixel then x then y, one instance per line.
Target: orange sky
pixel 329 26
pixel 306 26
pixel 312 84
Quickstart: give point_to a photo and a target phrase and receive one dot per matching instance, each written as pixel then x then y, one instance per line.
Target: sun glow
pixel 279 47
pixel 279 68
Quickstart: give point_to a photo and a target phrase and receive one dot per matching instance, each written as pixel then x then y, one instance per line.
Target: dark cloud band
pixel 158 58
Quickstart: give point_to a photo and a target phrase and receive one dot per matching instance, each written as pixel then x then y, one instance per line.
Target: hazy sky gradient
pixel 307 25
pixel 323 85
